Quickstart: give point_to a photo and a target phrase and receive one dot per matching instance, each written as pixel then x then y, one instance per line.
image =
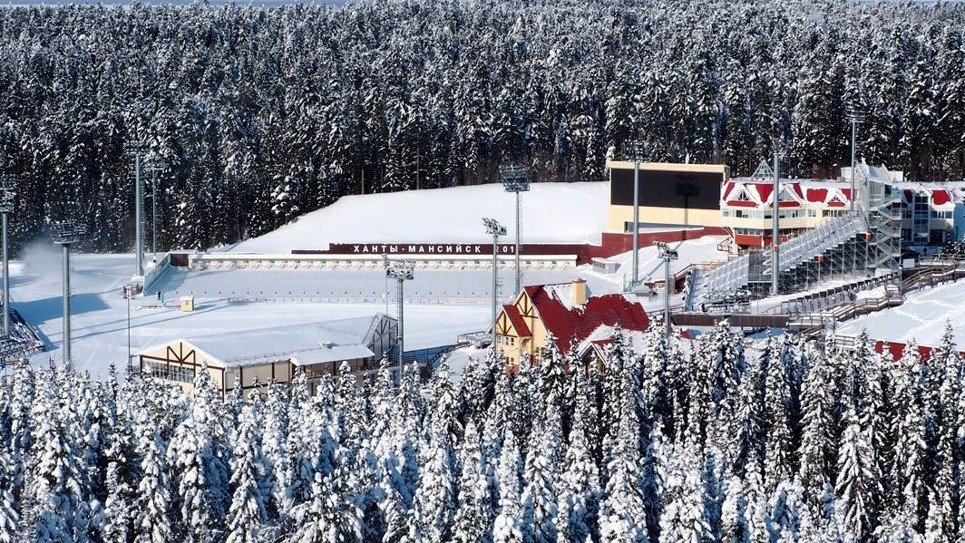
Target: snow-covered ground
pixel 99 335
pixel 921 317
pixel 551 213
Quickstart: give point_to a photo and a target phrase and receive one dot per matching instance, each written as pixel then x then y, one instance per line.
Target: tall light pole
pixel 494 229
pixel 515 179
pixel 65 234
pixel 8 193
pixel 155 166
pixel 776 222
pixel 137 148
pixel 636 152
pixel 401 271
pixel 668 255
pixel 855 117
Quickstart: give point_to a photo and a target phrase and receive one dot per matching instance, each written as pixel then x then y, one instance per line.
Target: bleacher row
pixel 735 274
pixel 815 242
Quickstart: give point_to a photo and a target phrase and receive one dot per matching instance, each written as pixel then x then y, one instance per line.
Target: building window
pixel 181 374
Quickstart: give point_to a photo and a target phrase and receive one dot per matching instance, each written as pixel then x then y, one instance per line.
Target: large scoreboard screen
pixel 667 188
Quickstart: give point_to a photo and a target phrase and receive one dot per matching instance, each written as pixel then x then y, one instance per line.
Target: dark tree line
pixel 266 113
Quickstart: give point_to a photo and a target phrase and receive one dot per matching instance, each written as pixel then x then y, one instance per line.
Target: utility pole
pixel 855 117
pixel 515 179
pixel 8 193
pixel 668 255
pixel 636 150
pixel 776 229
pixel 155 166
pixel 494 229
pixel 65 234
pixel 401 271
pixel 137 148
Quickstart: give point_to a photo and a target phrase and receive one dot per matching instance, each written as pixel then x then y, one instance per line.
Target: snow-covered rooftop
pixel 551 213
pixel 304 344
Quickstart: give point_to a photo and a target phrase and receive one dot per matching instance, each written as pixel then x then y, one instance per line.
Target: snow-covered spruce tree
pixel 21 400
pixel 327 517
pixel 197 465
pixel 734 527
pixel 246 515
pixel 907 472
pixel 683 518
pixel 622 512
pixel 777 398
pixel 508 526
pixel 9 514
pixel 947 362
pixel 579 487
pixel 817 418
pixel 154 503
pixel 855 481
pixel 474 516
pixel 435 498
pixel 278 501
pixel 540 475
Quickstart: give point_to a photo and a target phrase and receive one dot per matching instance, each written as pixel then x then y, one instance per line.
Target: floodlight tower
pixel 155 166
pixel 494 229
pixel 65 234
pixel 515 179
pixel 636 153
pixel 8 193
pixel 856 117
pixel 401 271
pixel 668 255
pixel 137 148
pixel 776 220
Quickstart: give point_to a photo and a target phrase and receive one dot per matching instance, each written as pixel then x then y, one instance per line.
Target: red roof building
pixel 567 315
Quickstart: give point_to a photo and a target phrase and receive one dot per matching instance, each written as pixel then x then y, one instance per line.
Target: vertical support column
pixel 519 270
pixel 666 293
pixel 6 282
pixel 854 130
pixel 66 341
pixel 401 336
pixel 636 221
pixel 153 214
pixel 495 282
pixel 138 218
pixel 776 229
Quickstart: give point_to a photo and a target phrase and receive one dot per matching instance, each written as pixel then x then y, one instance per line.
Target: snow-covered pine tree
pixel 474 516
pixel 623 513
pixel 246 515
pixel 684 517
pixel 539 508
pixel 435 498
pixel 579 487
pixel 154 503
pixel 854 485
pixel 778 465
pixel 508 526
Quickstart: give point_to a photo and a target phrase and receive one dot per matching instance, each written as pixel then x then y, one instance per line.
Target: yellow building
pixel 669 194
pixel 566 313
pixel 255 357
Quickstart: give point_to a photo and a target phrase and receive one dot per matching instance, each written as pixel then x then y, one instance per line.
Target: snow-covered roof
pixel 303 344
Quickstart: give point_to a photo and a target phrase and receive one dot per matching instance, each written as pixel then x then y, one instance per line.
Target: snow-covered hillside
pixel 552 213
pixel 922 317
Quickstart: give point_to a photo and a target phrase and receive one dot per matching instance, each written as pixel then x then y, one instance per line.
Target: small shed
pixel 187 304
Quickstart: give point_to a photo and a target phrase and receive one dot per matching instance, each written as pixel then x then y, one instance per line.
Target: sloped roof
pixel 568 321
pixel 519 324
pixel 303 344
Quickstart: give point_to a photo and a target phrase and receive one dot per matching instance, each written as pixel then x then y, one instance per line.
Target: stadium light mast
pixel 65 234
pixel 516 179
pixel 494 229
pixel 401 271
pixel 8 193
pixel 137 148
pixel 856 117
pixel 668 255
pixel 776 221
pixel 636 153
pixel 155 166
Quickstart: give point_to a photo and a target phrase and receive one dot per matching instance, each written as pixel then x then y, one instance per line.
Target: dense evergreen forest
pixel 264 113
pixel 679 443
